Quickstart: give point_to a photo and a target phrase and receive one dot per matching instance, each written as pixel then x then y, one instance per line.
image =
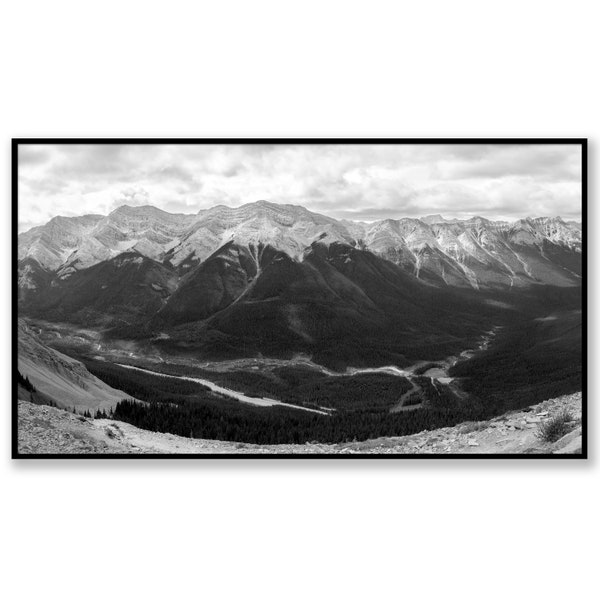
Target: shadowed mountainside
pixel 278 280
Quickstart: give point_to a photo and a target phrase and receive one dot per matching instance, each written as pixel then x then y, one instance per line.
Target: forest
pixel 538 360
pixel 529 362
pixel 192 410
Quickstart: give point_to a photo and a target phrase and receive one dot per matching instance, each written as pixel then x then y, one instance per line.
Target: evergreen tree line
pixel 277 425
pixel 24 381
pixel 192 410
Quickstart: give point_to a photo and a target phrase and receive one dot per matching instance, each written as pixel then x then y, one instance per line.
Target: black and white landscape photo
pixel 301 298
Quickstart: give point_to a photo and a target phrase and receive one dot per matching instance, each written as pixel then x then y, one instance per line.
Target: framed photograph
pixel 299 298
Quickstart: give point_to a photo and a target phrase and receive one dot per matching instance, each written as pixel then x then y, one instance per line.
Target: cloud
pixel 31 155
pixel 548 163
pixel 132 196
pixel 361 181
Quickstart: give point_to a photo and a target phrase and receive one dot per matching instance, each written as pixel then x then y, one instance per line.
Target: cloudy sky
pixel 358 182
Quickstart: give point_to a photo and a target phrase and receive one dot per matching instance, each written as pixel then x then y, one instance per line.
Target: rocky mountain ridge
pixel 471 253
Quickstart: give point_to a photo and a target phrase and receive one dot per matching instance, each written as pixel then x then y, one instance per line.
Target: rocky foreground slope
pixel 62 379
pixel 46 430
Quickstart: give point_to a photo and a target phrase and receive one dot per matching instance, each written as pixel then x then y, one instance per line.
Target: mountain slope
pixel 52 244
pixel 127 288
pixel 211 286
pixel 285 227
pixel 33 280
pixel 60 378
pixel 341 305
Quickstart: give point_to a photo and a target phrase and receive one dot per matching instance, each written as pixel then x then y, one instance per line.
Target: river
pixel 438 373
pixel 227 392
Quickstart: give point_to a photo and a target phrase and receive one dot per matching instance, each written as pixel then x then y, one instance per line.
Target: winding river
pixel 88 340
pixel 227 392
pixel 438 375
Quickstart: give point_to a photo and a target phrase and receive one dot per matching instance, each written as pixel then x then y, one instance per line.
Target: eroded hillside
pixel 61 379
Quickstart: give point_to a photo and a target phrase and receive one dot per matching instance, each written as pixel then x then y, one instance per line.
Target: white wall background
pixel 280 529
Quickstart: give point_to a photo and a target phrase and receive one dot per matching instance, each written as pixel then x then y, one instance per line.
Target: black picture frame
pixel 583 142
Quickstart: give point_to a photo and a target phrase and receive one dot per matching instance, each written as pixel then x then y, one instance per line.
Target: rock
pixel 567 439
pixel 61 432
pixel 573 447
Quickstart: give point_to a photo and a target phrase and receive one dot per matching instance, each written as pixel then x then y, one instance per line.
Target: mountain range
pixel 270 278
pixel 444 250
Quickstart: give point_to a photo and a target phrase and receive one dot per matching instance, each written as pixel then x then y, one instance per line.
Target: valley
pixel 266 393
pixel 89 344
pixel 271 324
